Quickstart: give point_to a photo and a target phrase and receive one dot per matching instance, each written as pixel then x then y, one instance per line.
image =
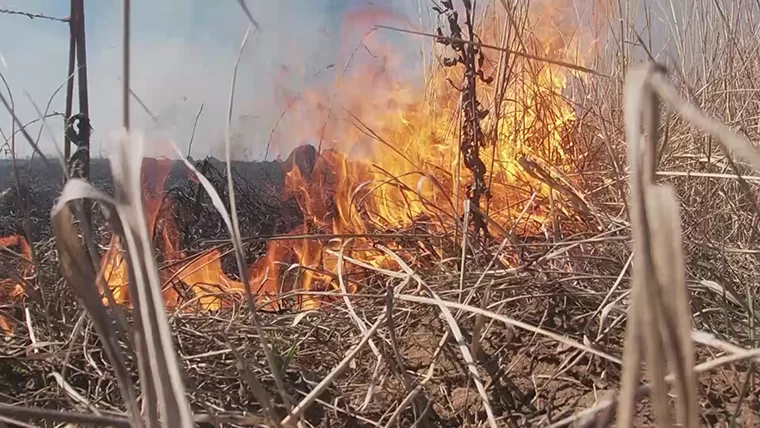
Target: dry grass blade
pixel 673 302
pixel 78 271
pixel 497 48
pixel 659 315
pixel 235 232
pixel 46 114
pixel 477 330
pixel 342 283
pixel 643 218
pixel 580 282
pixel 22 128
pixel 731 142
pixel 86 229
pixel 62 416
pixel 72 392
pixel 586 417
pixel 248 14
pixel 231 221
pixel 238 247
pixel 402 406
pixel 726 291
pixel 641 324
pixel 709 339
pixel 405 378
pixel 674 305
pixel 257 389
pixel 151 322
pixel 365 265
pixel 5 420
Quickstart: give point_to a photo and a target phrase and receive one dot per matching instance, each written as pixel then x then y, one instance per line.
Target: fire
pixel 115 272
pixel 400 145
pixel 12 290
pixel 389 160
pixel 113 266
pixel 203 276
pixel 206 278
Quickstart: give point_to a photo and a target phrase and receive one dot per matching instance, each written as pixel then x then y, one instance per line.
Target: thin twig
pixel 22 412
pixel 497 48
pixel 192 135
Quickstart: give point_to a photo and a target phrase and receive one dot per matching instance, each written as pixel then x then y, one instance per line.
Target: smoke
pixel 183 52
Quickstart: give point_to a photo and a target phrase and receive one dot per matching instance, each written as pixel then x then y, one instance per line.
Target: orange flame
pixel 394 160
pixel 115 272
pixel 203 277
pixel 206 278
pixel 200 275
pixel 390 163
pixel 11 290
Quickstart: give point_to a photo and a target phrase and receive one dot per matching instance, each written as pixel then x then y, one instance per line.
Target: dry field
pixel 550 231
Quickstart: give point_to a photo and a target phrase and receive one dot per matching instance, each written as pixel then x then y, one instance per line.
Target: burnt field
pixel 42 183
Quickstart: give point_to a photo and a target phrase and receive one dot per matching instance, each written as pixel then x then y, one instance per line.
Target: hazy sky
pixel 183 53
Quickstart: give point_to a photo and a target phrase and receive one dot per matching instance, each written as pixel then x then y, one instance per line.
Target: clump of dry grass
pixel 659 327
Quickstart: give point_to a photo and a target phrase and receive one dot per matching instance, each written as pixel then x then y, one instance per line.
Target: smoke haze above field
pixel 183 53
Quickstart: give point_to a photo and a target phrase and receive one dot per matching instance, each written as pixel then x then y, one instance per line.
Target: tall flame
pixel 390 153
pixel 398 142
pixel 388 160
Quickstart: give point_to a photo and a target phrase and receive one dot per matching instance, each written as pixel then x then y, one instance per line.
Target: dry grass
pixel 563 336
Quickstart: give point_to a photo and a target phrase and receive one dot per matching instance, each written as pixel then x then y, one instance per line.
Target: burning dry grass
pixel 413 321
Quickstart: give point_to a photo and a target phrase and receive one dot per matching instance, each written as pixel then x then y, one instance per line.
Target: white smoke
pixel 183 53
